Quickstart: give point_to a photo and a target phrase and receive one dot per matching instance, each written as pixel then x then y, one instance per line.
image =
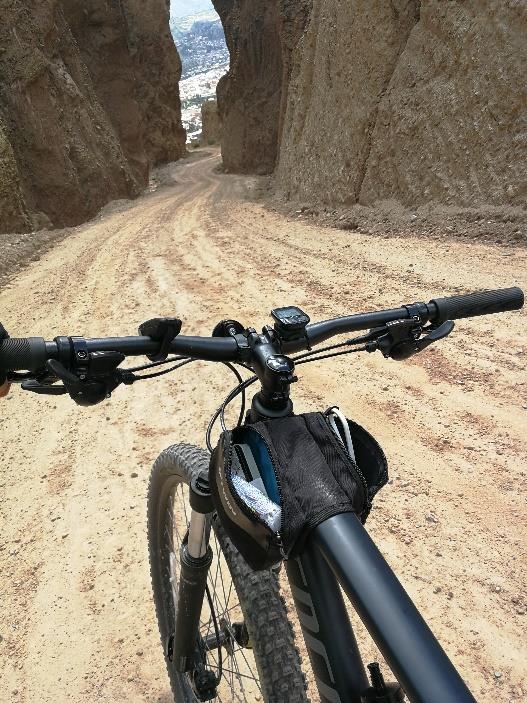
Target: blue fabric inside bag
pixel 263 462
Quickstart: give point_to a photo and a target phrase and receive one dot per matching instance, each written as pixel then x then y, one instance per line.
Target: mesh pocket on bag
pixel 314 476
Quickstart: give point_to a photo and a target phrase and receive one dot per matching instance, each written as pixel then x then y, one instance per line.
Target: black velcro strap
pixel 161 329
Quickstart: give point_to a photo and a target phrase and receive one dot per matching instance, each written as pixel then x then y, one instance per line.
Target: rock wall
pixel 407 100
pixel 78 91
pixel 260 36
pixel 414 101
pixel 158 70
pixel 13 214
pixel 211 123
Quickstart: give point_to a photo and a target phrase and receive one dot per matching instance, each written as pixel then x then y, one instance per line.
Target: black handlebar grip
pixel 28 354
pixel 485 302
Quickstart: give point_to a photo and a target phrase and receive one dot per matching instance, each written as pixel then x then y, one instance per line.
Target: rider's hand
pixel 4 386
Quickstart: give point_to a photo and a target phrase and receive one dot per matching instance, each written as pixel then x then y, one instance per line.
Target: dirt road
pixel 77 619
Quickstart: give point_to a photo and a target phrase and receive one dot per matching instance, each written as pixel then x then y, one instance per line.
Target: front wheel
pixel 244 631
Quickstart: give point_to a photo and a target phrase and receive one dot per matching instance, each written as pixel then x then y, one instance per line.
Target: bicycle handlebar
pixel 485 302
pixel 436 311
pixel 32 353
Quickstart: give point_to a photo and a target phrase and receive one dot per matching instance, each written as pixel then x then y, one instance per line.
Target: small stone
pixel 497 674
pixel 134 475
pixel 450 595
pixel 139 652
pixel 65 535
pixel 437 589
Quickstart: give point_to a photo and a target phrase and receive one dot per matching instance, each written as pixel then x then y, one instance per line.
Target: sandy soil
pixel 77 618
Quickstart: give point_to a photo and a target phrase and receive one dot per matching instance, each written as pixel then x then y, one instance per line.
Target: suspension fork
pixel 195 560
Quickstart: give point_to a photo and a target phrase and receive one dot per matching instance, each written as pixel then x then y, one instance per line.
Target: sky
pixel 181 8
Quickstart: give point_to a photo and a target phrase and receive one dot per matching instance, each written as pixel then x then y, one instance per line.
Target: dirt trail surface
pixel 77 618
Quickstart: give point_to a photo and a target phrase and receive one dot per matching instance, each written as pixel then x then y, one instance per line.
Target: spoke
pixel 225 611
pixel 213 592
pixel 215 601
pixel 248 665
pixel 229 598
pixel 211 652
pixel 237 673
pixel 187 521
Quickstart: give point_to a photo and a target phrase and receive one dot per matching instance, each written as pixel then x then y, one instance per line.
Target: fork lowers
pixel 192 583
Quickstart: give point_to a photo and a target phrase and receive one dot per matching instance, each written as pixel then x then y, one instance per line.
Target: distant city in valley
pixel 199 37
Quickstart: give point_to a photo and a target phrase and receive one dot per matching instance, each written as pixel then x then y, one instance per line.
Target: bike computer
pixel 290 322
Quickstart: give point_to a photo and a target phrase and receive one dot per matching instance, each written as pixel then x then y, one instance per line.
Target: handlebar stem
pixel 274 370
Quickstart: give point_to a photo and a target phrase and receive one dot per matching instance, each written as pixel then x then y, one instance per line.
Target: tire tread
pixel 277 658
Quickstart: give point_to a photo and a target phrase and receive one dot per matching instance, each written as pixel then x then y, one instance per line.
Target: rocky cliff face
pixel 88 102
pixel 260 36
pixel 417 101
pixel 211 123
pixel 158 70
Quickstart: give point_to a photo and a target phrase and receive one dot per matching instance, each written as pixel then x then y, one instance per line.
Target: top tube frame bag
pixel 307 475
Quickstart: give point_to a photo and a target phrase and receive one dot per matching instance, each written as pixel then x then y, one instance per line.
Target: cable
pixel 242 407
pixel 184 361
pixel 356 340
pixel 313 356
pixel 152 364
pixel 217 633
pixel 329 356
pixel 235 391
pixel 162 373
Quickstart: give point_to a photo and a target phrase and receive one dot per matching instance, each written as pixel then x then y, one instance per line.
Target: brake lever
pixel 403 338
pixel 406 349
pixel 43 387
pixel 94 384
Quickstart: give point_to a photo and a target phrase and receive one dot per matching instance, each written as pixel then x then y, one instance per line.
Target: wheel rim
pixel 240 680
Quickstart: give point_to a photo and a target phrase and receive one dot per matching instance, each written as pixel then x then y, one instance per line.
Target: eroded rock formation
pixel 211 123
pixel 88 103
pixel 417 101
pixel 260 36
